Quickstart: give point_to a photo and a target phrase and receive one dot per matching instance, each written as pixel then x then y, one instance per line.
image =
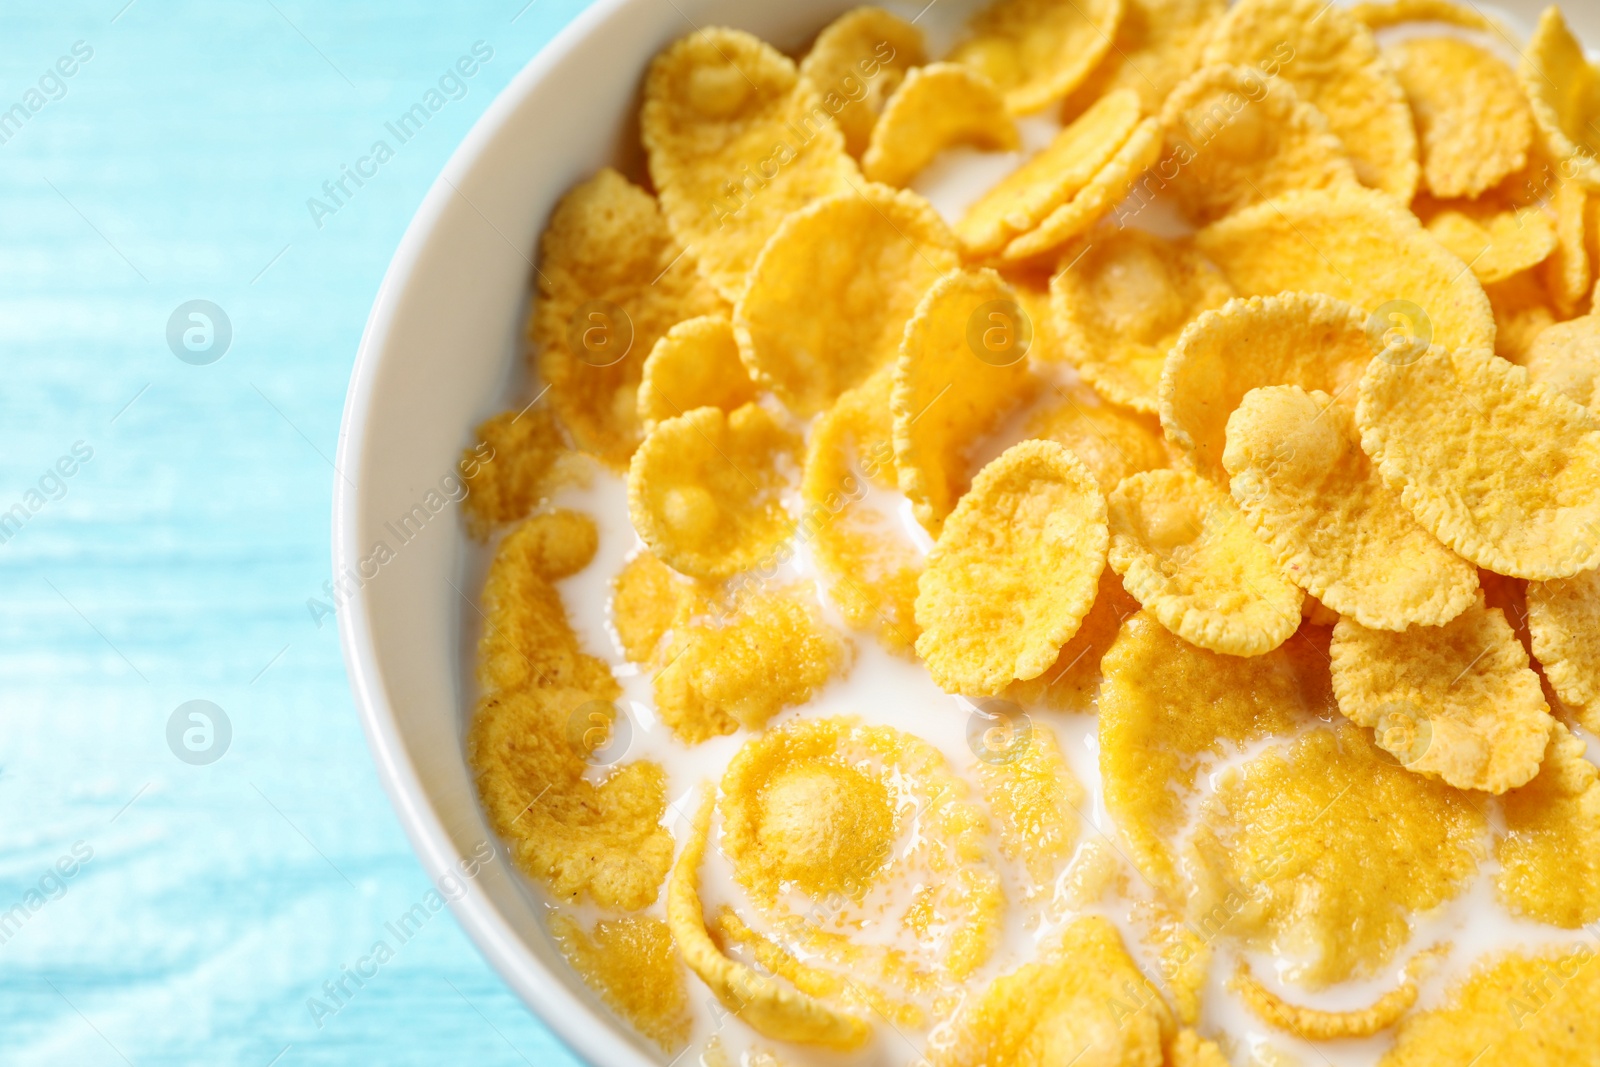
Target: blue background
pixel 177 562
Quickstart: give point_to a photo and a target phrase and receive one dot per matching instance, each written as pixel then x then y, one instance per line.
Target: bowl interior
pixel 443 351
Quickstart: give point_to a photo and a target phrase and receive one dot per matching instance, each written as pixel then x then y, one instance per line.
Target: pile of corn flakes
pixel 1251 419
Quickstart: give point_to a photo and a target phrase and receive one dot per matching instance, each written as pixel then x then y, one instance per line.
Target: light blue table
pixel 175 563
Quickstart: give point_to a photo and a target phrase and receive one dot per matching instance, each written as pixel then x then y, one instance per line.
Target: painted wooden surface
pixel 208 904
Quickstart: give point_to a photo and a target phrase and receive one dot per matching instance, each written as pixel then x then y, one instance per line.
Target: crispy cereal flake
pixel 1158 44
pixel 1297 471
pixel 1238 137
pixel 1502 471
pixel 1456 702
pixel 1333 62
pixel 1123 302
pixel 695 365
pixel 1550 854
pixel 1014 571
pixel 855 66
pixel 1187 554
pixel 1566 357
pixel 1564 89
pixel 1564 625
pixel 597 314
pixel 936 107
pixel 737 140
pixel 1474 125
pixel 704 488
pixel 1037 51
pixel 1112 442
pixel 632 964
pixel 829 298
pixel 1109 186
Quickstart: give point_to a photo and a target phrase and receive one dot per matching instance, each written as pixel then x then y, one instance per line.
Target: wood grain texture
pixel 176 562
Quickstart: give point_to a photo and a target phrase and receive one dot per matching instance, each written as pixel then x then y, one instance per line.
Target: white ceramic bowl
pixel 442 351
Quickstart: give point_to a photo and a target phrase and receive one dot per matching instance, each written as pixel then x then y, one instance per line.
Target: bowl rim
pixel 592 1036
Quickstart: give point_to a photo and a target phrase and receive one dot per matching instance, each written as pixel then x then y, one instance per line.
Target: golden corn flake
pixel 1565 357
pixel 1357 246
pixel 1187 554
pixel 606 295
pixel 1312 1024
pixel 871 568
pixel 1241 138
pixel 632 964
pixel 1073 680
pixel 1550 854
pixel 509 470
pixel 936 107
pixel 1183 956
pixel 1112 442
pixel 1568 273
pixel 1290 858
pixel 1158 44
pixel 834 809
pixel 695 365
pixel 774 1010
pixel 1035 799
pixel 704 490
pixel 1501 471
pixel 1564 89
pixel 1474 125
pixel 1083 996
pixel 855 66
pixel 649 597
pixel 1037 51
pixel 1053 177
pixel 739 662
pixel 867 256
pixel 1168 710
pixel 1564 625
pixel 1014 571
pixel 1298 473
pixel 1495 244
pixel 1303 339
pixel 1333 62
pixel 1512 1010
pixel 1110 185
pixel 1457 702
pixel 736 140
pixel 962 363
pixel 1123 302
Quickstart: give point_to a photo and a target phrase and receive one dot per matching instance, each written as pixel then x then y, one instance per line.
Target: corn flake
pixel 855 66
pixel 1123 302
pixel 1456 702
pixel 936 107
pixel 1565 357
pixel 523 447
pixel 1513 1009
pixel 1014 571
pixel 1035 799
pixel 632 964
pixel 1240 138
pixel 962 364
pixel 1524 504
pixel 597 314
pixel 1073 680
pixel 1522 312
pixel 1356 246
pixel 736 141
pixel 1474 126
pixel 1037 51
pixel 1084 993
pixel 1564 627
pixel 1383 14
pixel 1158 44
pixel 704 490
pixel 695 365
pixel 1312 1024
pixel 1550 854
pixel 1112 442
pixel 1568 274
pixel 1169 710
pixel 1110 185
pixel 1334 63
pixel 1187 554
pixel 1052 177
pixel 867 256
pixel 1564 89
pixel 739 661
pixel 1291 858
pixel 1496 244
pixel 1298 473
pixel 774 1010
